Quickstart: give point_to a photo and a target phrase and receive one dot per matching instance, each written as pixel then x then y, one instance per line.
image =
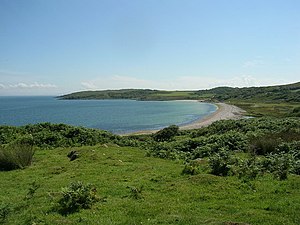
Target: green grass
pixel 266 109
pixel 165 195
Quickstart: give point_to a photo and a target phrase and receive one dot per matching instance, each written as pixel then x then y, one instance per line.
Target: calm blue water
pixel 117 116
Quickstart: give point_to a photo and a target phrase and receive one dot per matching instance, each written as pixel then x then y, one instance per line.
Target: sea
pixel 116 116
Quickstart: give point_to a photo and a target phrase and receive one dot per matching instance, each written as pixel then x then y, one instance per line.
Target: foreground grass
pixel 166 196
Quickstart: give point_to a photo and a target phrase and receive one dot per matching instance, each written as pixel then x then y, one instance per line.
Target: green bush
pixel 77 196
pixel 264 145
pixel 248 169
pixel 17 155
pixel 47 135
pixel 278 164
pixel 202 151
pixel 166 134
pixel 221 162
pixel 193 167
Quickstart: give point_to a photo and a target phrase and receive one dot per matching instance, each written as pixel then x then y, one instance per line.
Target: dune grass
pixel 134 189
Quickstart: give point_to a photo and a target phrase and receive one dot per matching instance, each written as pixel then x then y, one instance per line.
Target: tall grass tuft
pixel 17 155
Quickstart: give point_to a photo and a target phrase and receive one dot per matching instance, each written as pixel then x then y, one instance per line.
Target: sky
pixel 54 47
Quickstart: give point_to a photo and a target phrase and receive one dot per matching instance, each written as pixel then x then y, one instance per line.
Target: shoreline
pixel 223 112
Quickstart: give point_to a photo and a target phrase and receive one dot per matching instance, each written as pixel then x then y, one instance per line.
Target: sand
pixel 224 112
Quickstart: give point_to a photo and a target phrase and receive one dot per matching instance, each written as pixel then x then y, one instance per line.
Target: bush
pixel 202 151
pixel 221 162
pixel 194 167
pixel 17 155
pixel 166 134
pixel 264 145
pixel 248 169
pixel 77 196
pixel 278 164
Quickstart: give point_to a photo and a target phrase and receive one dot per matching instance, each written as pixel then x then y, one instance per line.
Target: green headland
pixel 280 100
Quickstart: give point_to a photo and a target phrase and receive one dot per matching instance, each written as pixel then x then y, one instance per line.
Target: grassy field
pixel 263 109
pixel 135 189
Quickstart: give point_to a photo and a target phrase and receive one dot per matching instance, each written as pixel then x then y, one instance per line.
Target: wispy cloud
pixel 177 83
pixel 34 85
pixel 88 85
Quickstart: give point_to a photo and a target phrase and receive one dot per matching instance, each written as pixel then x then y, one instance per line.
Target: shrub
pixel 264 144
pixel 17 155
pixel 166 134
pixel 221 162
pixel 248 169
pixel 193 167
pixel 163 150
pixel 202 151
pixel 278 164
pixel 296 167
pixel 77 196
pixel 283 166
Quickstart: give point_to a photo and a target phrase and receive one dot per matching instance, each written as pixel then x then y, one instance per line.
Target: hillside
pixel 232 172
pixel 135 94
pixel 270 94
pixel 279 101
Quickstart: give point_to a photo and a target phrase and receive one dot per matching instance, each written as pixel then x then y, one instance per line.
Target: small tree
pixel 166 134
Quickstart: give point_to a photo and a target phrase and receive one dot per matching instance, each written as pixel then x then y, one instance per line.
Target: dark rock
pixel 72 155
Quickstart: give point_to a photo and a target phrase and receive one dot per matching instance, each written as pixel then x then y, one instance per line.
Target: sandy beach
pixel 224 112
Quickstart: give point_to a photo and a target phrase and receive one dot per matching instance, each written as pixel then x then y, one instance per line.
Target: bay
pixel 117 116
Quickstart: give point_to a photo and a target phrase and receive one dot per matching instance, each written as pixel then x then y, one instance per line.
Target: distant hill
pixel 135 94
pixel 278 101
pixel 279 93
pixel 269 94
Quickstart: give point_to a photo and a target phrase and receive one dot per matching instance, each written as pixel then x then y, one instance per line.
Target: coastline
pixel 224 112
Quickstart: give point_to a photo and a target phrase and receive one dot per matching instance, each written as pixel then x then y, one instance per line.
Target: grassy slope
pixel 168 196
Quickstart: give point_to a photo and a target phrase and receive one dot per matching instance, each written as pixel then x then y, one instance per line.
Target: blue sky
pixel 54 47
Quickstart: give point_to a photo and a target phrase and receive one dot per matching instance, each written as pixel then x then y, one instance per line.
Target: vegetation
pixel 166 134
pixel 231 172
pixel 77 196
pixel 138 190
pixel 17 155
pixel 135 94
pixel 267 145
pixel 280 100
pixel 47 135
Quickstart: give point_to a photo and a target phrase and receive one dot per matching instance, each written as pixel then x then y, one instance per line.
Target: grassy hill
pixel 269 94
pixel 280 100
pixel 134 189
pixel 135 94
pixel 232 172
